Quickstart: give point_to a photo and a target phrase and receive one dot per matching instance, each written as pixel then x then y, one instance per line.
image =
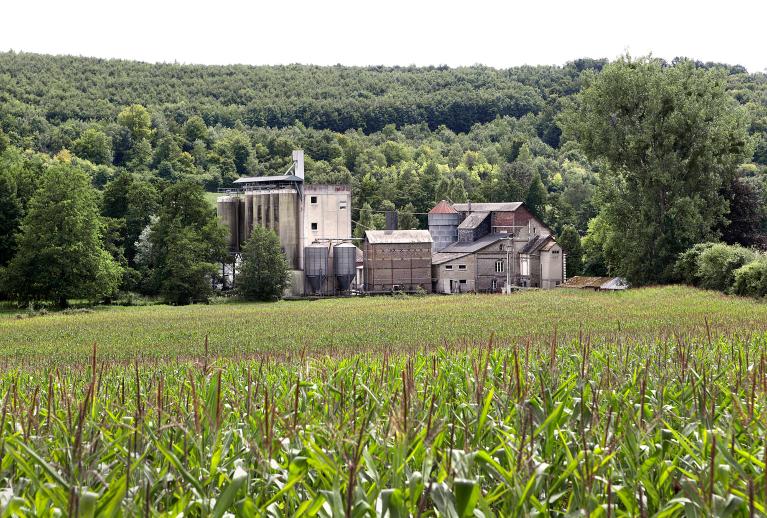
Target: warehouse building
pixel 397 260
pixel 488 246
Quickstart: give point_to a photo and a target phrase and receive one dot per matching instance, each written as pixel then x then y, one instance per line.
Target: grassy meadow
pixel 352 325
pixel 650 402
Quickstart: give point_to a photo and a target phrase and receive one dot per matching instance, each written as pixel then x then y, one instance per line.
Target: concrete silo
pixel 228 211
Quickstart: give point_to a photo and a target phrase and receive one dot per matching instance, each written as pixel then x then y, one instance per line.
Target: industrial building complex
pixel 469 247
pixel 312 222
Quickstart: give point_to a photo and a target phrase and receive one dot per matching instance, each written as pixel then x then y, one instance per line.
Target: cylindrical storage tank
pixel 443 228
pixel 315 266
pixel 345 265
pixel 228 210
pixel 248 216
pixel 241 218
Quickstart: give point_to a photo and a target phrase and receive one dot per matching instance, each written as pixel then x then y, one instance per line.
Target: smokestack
pixel 298 162
pixel 391 220
pixel 469 207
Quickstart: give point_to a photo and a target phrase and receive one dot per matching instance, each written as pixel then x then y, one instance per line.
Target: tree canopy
pixel 672 140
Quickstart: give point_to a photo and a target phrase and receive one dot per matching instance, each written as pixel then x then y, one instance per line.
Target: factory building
pixel 312 222
pixel 491 246
pixel 397 260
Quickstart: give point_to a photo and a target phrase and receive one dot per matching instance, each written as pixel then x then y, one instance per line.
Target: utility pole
pixel 509 250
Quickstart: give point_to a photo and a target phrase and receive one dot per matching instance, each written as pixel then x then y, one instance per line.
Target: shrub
pixel 686 266
pixel 717 265
pixel 751 279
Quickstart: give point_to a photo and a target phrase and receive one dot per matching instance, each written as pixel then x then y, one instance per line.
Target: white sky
pixel 388 32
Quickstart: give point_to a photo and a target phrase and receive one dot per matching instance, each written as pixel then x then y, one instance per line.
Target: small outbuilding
pixel 596 283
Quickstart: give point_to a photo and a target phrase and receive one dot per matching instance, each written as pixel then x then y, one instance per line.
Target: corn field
pixel 558 426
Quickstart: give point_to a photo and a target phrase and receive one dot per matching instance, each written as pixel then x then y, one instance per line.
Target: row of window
pixel 450 267
pixel 341 204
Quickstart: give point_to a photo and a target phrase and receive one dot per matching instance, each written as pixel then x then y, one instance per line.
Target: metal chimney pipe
pixel 298 162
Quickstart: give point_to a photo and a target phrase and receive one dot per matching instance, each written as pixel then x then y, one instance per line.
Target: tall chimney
pixel 392 221
pixel 298 161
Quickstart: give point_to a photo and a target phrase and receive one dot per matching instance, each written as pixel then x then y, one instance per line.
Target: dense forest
pixel 403 137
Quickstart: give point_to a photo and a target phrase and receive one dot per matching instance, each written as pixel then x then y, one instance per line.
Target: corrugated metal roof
pixel 473 220
pixel 442 257
pixel 268 179
pixel 397 236
pixel 535 244
pixel 474 246
pixel 443 207
pixel 488 207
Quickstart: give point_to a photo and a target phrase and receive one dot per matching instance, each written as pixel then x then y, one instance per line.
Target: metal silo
pixel 316 266
pixel 345 265
pixel 228 210
pixel 443 225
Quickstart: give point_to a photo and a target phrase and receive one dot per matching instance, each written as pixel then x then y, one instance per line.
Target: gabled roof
pixel 270 179
pixel 443 207
pixel 488 207
pixel 474 246
pixel 536 243
pixel 397 236
pixel 473 220
pixel 442 257
pixel 458 250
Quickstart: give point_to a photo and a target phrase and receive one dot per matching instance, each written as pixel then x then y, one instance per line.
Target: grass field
pixel 374 323
pixel 651 402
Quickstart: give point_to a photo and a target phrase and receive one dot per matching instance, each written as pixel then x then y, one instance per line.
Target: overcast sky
pixel 388 32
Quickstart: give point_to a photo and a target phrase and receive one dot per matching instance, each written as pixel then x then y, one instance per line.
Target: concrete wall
pixel 450 278
pixel 552 267
pixel 327 212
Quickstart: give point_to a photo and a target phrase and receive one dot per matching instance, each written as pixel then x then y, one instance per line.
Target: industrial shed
pixel 596 283
pixel 397 260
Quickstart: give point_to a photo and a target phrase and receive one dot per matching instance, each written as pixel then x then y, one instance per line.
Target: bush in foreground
pixel 717 265
pixel 751 279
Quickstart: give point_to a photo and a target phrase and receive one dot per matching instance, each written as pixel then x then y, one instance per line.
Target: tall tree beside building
pixel 186 243
pixel 406 218
pixel 536 196
pixel 672 138
pixel 263 274
pixel 570 241
pixel 60 251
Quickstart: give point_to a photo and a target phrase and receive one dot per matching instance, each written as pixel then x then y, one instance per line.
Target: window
pixel 524 265
pixel 462 281
pixel 313 200
pixel 494 285
pixel 499 267
pixel 341 205
pixel 461 266
pixel 314 226
pixel 555 252
pixel 448 267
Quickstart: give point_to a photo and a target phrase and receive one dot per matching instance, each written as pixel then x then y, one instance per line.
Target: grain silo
pixel 443 225
pixel 228 210
pixel 344 265
pixel 316 266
